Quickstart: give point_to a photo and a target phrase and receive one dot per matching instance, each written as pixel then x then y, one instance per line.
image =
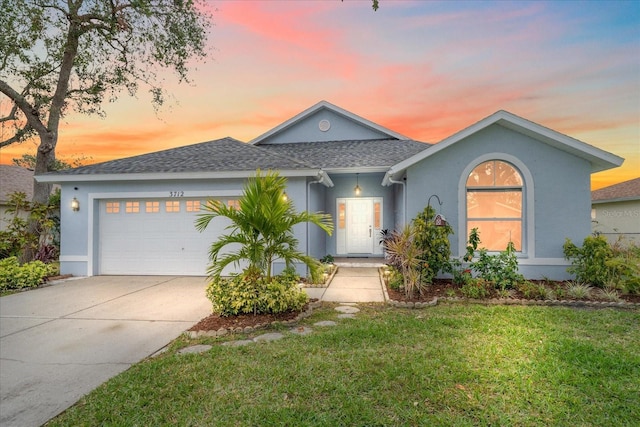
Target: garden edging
pixel 511 301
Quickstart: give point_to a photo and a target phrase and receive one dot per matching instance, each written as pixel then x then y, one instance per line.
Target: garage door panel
pixel 155 242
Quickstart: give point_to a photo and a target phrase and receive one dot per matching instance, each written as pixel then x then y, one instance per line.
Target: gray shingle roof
pixel 15 178
pixel 351 153
pixel 226 154
pixel 629 190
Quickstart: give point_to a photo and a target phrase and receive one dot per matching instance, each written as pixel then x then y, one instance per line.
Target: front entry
pixel 359 225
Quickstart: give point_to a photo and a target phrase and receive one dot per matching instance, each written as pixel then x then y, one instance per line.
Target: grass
pixel 453 365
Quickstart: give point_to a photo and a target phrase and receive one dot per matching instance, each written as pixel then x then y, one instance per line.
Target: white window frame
pixel 528 191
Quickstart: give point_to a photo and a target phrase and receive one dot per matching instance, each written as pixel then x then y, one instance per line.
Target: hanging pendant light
pixel 357 189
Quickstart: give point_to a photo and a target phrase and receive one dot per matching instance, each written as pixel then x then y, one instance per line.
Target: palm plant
pixel 262 227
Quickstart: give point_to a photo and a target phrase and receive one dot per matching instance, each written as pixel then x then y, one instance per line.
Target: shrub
pixel 476 288
pixel 249 292
pixel 500 269
pixel 532 290
pixel 608 294
pixel 403 255
pixel 15 276
pixel 433 243
pixel 579 291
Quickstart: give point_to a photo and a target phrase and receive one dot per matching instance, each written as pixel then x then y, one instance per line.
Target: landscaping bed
pixel 445 288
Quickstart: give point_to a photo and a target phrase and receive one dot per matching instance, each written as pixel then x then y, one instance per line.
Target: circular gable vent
pixel 324 125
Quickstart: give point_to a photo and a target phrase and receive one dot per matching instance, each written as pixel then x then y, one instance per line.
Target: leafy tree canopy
pixel 58 56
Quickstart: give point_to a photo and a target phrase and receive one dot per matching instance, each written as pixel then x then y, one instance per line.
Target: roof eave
pixel 59 178
pixel 600 160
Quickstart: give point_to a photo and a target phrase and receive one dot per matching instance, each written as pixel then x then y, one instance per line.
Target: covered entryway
pixel 154 236
pixel 359 224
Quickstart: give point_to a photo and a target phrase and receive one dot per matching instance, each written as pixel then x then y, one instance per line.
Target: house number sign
pixel 176 193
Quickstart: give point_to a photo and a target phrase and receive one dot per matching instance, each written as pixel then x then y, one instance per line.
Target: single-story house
pixel 514 179
pixel 13 179
pixel 615 211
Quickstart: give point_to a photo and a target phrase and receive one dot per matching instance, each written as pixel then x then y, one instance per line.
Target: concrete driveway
pixel 60 342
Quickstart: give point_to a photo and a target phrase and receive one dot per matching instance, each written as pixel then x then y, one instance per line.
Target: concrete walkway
pixel 351 284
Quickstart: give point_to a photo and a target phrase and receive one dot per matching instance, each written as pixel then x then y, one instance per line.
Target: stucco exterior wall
pixel 617 220
pixel 556 200
pixel 340 129
pixel 80 230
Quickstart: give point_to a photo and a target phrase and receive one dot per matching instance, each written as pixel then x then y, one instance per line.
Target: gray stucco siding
pixel 560 192
pixel 341 128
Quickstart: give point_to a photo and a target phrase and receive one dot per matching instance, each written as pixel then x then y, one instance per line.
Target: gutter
pixel 322 178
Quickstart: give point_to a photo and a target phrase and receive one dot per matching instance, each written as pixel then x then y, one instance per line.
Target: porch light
pixel 285 196
pixel 357 189
pixel 75 205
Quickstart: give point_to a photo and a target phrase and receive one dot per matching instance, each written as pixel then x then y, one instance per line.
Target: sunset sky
pixel 424 69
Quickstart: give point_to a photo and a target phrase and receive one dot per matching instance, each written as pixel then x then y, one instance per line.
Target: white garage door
pixel 155 237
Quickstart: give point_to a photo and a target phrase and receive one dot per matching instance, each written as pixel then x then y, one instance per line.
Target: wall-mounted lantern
pixel 439 220
pixel 357 188
pixel 75 205
pixel 285 196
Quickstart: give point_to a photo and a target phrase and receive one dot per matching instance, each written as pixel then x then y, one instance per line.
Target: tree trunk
pixel 45 158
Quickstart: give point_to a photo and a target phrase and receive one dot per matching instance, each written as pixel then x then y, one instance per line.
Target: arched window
pixel 494 193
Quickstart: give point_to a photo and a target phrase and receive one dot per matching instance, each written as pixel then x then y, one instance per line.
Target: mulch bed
pixel 442 288
pixel 214 322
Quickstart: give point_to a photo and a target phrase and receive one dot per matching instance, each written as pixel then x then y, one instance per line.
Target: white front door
pixel 360 226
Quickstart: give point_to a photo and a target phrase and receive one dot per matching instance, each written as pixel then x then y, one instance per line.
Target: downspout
pixel 404 199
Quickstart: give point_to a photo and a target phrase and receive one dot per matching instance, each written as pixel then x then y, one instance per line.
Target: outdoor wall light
pixel 285 196
pixel 357 189
pixel 75 205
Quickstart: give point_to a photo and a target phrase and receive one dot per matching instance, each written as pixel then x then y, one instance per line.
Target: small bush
pixel 477 289
pixel 532 290
pixel 579 291
pixel 250 293
pixel 14 276
pixel 608 294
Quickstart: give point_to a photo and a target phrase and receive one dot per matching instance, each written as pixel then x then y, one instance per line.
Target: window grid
pixel 494 204
pixel 113 207
pixel 132 207
pixel 152 207
pixel 193 205
pixel 172 206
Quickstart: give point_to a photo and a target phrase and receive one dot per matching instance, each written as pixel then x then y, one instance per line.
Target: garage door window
pixel 172 206
pixel 112 207
pixel 152 207
pixel 132 207
pixel 193 205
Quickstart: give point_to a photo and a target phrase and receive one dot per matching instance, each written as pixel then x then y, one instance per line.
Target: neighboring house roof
pixel 222 158
pixel 627 190
pixel 600 160
pixel 336 156
pixel 15 178
pixel 329 106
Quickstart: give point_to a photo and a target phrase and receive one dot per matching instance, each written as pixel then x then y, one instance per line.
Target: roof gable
pixel 325 122
pixel 627 190
pixel 600 160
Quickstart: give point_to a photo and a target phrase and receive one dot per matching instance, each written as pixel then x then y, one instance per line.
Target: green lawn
pixel 453 364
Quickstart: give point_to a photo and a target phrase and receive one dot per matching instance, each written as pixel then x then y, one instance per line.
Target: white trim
pixel 600 160
pixel 317 107
pixel 529 209
pixel 73 258
pixel 168 175
pixel 544 261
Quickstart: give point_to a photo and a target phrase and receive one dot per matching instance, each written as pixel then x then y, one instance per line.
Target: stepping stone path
pixel 325 323
pixel 347 311
pixel 200 348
